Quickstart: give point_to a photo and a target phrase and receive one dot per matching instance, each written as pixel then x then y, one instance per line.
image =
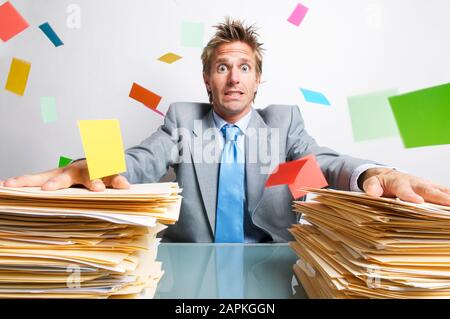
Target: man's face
pixel 232 80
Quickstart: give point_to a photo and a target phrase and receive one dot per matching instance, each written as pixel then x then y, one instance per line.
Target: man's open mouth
pixel 234 93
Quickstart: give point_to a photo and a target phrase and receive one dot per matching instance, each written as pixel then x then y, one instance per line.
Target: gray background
pixel 342 48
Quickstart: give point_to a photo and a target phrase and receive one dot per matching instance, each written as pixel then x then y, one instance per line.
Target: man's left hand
pixel 391 183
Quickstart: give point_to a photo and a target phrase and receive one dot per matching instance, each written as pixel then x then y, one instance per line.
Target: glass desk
pixel 210 271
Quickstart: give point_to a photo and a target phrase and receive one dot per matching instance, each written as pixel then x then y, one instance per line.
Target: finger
pixel 63 180
pixel 96 185
pixel 118 181
pixel 32 179
pixel 372 187
pixel 443 189
pixel 405 192
pixel 433 194
pixel 442 199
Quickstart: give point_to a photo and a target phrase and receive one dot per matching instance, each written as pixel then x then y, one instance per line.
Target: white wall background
pixel 338 50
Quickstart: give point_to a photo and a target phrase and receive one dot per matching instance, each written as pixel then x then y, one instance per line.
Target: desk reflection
pixel 211 271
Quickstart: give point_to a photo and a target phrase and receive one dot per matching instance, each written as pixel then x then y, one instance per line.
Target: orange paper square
pixel 146 97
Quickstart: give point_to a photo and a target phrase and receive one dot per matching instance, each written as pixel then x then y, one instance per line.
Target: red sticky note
pixel 11 22
pixel 304 172
pixel 146 97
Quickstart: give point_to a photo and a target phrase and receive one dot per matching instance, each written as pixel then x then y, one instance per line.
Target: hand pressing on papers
pixel 74 174
pixel 391 183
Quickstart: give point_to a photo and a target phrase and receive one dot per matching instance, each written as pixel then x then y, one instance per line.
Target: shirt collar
pixel 242 123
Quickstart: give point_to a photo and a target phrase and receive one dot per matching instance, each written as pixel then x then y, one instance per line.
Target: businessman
pixel 215 151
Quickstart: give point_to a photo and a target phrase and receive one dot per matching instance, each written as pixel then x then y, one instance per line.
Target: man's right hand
pixel 74 174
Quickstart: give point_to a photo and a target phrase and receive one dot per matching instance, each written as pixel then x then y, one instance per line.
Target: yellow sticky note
pixel 18 76
pixel 103 147
pixel 169 58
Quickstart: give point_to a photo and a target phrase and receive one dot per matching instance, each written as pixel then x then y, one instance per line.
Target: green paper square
pixel 64 161
pixel 192 34
pixel 423 116
pixel 371 115
pixel 48 109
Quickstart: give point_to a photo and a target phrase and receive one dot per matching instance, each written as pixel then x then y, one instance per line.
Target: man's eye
pixel 222 68
pixel 245 67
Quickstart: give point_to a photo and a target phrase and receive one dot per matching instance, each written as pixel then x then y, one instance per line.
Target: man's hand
pixel 391 183
pixel 73 174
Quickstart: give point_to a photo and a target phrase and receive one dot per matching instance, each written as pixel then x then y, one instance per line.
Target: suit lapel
pixel 258 134
pixel 207 168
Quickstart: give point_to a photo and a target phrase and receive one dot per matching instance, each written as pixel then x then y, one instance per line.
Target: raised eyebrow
pixel 226 61
pixel 219 61
pixel 248 61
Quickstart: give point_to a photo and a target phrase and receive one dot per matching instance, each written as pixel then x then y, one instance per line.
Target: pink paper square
pixel 298 14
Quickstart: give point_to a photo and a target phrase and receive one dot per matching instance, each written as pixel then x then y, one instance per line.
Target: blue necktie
pixel 231 192
pixel 230 271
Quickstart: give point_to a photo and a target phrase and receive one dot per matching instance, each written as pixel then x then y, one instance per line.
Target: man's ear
pixel 206 80
pixel 258 82
pixel 208 87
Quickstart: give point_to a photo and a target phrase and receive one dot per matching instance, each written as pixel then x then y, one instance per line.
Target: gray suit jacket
pixel 184 141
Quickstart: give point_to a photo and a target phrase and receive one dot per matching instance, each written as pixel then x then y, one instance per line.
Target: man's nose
pixel 234 76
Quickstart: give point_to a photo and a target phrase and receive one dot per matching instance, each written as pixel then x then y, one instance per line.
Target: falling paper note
pixel 314 97
pixel 192 34
pixel 298 14
pixel 11 22
pixel 371 115
pixel 64 161
pixel 51 35
pixel 169 58
pixel 48 109
pixel 423 117
pixel 304 172
pixel 103 147
pixel 18 76
pixel 146 97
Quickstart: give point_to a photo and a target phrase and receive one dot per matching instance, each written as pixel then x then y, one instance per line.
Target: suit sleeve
pixel 337 168
pixel 151 159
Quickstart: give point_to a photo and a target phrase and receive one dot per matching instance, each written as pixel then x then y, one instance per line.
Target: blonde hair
pixel 232 31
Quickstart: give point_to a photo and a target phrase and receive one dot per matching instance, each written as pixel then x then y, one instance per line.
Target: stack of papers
pixel 352 245
pixel 74 243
